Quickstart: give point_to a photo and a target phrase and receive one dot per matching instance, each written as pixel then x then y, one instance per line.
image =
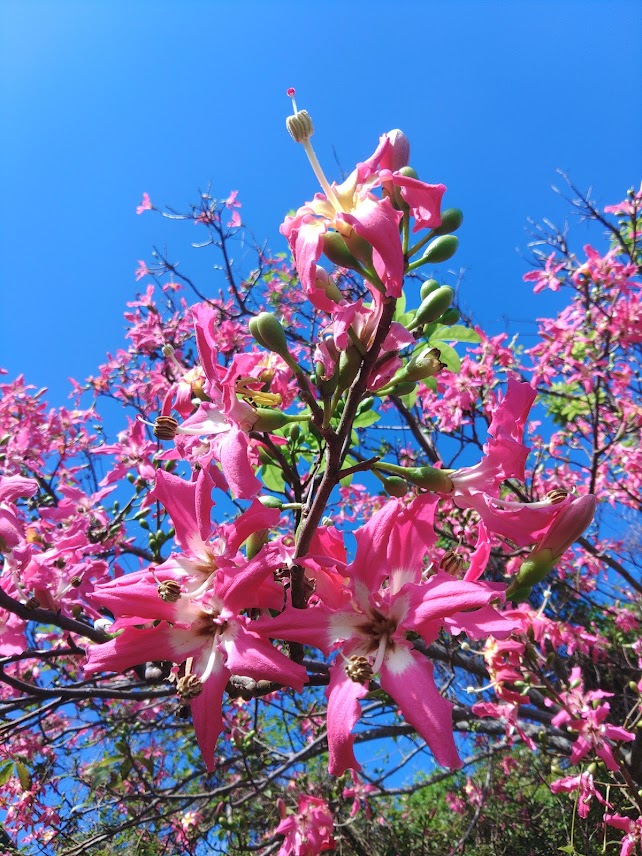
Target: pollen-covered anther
pixel 165 427
pixel 169 591
pixel 300 126
pixel 557 495
pixel 189 686
pixel 75 582
pixel 453 564
pixel 359 670
pixel 33 603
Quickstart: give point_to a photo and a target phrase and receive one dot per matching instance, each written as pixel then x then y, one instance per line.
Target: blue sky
pixel 101 101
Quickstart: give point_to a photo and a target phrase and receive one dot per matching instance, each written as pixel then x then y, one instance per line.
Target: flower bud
pixel 335 249
pixel 399 153
pixel 424 365
pixel 451 220
pixel 450 317
pixel 428 287
pixel 431 478
pixel 434 306
pixel 349 365
pixel 255 542
pixel 270 420
pixel 268 332
pixel 404 387
pixel 270 501
pixel 394 486
pixel 441 249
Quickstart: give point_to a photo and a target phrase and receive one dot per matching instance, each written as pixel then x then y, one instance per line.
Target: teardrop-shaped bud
pixel 336 249
pixel 431 478
pixel 428 287
pixel 452 316
pixel 268 332
pixel 434 306
pixel 394 486
pixel 441 249
pixel 451 220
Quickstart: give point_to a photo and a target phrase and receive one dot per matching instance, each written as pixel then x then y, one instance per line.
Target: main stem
pixel 337 447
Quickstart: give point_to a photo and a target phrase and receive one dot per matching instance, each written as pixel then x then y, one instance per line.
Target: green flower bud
pixel 431 478
pixel 335 249
pixel 360 248
pixel 531 572
pixel 349 365
pixel 441 249
pixel 451 220
pixel 270 420
pixel 402 388
pixel 408 172
pixel 270 501
pixel 268 332
pixel 394 486
pixel 433 306
pixel 428 287
pixel 452 316
pixel 255 542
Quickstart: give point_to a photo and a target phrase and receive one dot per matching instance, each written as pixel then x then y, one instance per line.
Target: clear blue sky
pixel 101 101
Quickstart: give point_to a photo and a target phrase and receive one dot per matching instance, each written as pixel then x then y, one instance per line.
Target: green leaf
pixel 273 478
pixel 448 355
pixel 456 333
pixel 411 398
pixel 24 776
pixel 364 420
pixel 5 772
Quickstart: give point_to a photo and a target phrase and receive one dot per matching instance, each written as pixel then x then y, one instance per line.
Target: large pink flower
pixel 388 601
pixel 354 211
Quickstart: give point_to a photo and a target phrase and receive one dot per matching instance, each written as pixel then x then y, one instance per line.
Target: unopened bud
pixel 431 478
pixel 451 220
pixel 270 501
pixel 428 287
pixel 433 306
pixel 268 332
pixel 452 316
pixel 336 249
pixel 270 420
pixel 395 486
pixel 300 126
pixel 349 365
pixel 441 249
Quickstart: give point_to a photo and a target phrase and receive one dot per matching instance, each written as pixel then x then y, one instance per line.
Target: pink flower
pixel 142 270
pixel 633 829
pixel 388 601
pixel 210 641
pixel 546 278
pixel 353 211
pixel 145 205
pixel 309 832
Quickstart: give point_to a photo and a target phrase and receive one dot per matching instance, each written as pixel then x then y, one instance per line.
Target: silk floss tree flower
pixel 390 605
pixel 352 225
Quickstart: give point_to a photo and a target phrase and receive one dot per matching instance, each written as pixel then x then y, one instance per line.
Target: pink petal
pixel 249 655
pixel 344 711
pixel 189 504
pixel 207 713
pixel 378 222
pixel 233 455
pixel 408 677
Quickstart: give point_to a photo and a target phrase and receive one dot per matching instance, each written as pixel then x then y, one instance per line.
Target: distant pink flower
pixel 586 790
pixel 546 278
pixel 142 270
pixel 309 832
pixel 145 205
